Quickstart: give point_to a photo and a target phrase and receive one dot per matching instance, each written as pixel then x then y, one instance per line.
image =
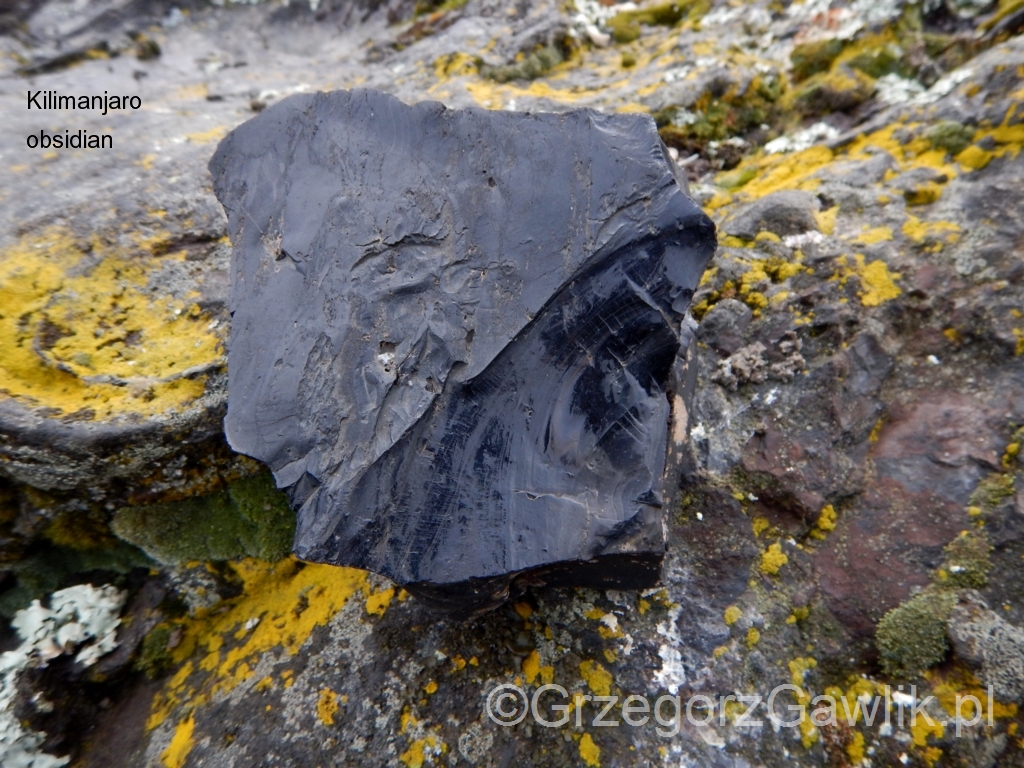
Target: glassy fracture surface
pixel 459 337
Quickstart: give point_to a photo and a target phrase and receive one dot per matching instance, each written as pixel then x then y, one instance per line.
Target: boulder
pixel 456 337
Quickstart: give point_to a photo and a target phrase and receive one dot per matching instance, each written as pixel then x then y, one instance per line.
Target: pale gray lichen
pixel 81 617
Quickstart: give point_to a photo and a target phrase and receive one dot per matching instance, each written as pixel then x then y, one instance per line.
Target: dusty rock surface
pixel 855 514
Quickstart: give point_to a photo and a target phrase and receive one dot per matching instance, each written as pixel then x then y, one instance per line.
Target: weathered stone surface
pixel 907 317
pixel 455 337
pixel 781 213
pixel 983 639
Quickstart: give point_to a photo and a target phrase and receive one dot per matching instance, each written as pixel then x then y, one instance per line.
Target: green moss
pixel 735 179
pixel 628 60
pixel 625 27
pixel 880 61
pixel 992 492
pixel 840 90
pixel 530 68
pixel 266 508
pixel 48 568
pixel 967 562
pixel 155 657
pixel 424 7
pixel 1005 9
pixel 8 503
pixel 80 529
pixel 950 136
pixel 912 637
pixel 722 116
pixel 250 519
pixel 811 58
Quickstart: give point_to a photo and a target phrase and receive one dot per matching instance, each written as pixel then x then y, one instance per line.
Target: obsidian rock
pixel 459 338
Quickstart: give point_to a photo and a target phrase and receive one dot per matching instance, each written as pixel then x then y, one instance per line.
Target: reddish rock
pixel 927 462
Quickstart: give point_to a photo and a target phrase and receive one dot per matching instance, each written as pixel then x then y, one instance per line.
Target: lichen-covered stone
pixel 781 213
pixel 983 639
pixel 861 470
pixel 838 90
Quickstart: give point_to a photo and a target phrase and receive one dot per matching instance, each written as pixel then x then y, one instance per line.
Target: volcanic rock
pixel 459 337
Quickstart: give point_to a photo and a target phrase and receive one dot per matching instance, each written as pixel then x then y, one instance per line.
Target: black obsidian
pixel 459 337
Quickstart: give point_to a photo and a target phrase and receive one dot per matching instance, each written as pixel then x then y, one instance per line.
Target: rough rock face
pixel 856 517
pixel 455 337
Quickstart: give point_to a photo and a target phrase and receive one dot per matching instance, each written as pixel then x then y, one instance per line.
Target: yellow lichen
pixel 922 231
pixel 598 679
pixel 827 219
pixel 378 602
pixel 855 749
pixel 875 235
pixel 531 666
pixel 416 754
pixel 731 241
pixel 925 193
pixel 590 753
pixel 327 706
pixel 772 560
pixel 81 333
pixel 779 172
pixel 205 137
pixel 798 614
pixel 1004 9
pixel 454 65
pixel 756 301
pixel 921 728
pixel 974 157
pixel 286 600
pixel 1010 454
pixel 732 615
pixel 878 284
pixel 753 637
pixel 760 525
pixel 181 744
pixel 957 685
pixel 798 669
pixel 876 431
